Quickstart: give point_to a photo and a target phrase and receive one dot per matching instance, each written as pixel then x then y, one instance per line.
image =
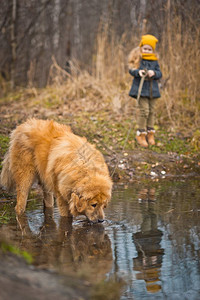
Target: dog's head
pixel 90 199
pixel 92 208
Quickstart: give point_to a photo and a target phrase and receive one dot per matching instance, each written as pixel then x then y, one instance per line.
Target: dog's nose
pixel 100 220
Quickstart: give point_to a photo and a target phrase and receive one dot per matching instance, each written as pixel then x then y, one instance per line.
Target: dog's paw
pixel 19 210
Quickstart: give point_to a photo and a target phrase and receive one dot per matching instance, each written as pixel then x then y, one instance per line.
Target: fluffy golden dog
pixel 66 165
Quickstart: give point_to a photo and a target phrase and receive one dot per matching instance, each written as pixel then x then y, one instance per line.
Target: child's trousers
pixel 146 114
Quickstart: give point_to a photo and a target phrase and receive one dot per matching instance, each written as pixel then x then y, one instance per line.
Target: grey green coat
pixel 149 65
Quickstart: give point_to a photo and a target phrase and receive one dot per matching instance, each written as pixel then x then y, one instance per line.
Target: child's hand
pixel 151 73
pixel 142 73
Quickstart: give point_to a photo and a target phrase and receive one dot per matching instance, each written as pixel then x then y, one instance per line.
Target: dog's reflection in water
pixel 66 248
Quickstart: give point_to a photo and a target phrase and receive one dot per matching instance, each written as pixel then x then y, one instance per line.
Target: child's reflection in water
pixel 147 242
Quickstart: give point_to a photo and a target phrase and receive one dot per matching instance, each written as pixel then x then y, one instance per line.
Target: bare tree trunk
pixel 77 36
pixel 169 41
pixel 142 15
pixel 13 41
pixel 56 35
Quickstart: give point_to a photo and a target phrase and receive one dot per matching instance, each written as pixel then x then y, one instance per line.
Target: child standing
pixel 150 69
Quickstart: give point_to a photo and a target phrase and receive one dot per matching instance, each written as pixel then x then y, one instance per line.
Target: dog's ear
pixel 77 204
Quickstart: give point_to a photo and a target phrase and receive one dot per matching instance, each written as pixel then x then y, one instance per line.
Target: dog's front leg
pixel 63 206
pixel 48 198
pixel 22 195
pixel 23 171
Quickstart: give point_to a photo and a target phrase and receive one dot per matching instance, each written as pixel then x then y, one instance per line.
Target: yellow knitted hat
pixel 150 40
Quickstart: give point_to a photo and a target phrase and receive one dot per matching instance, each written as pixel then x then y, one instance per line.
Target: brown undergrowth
pixel 96 102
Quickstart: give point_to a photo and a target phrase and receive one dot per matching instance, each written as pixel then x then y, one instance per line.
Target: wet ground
pixel 150 239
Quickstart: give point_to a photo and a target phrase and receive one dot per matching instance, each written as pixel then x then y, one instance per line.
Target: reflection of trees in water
pixel 85 249
pixel 180 205
pixel 182 244
pixel 183 233
pixel 147 242
pixel 180 272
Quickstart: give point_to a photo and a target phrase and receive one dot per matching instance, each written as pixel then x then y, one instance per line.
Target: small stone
pixel 153 173
pixel 121 166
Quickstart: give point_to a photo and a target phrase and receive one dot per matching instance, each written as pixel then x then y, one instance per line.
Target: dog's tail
pixel 6 178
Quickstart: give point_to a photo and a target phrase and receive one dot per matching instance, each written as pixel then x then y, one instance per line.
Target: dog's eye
pixel 94 205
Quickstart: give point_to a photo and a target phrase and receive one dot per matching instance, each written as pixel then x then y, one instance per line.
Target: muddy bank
pixel 141 163
pixel 21 281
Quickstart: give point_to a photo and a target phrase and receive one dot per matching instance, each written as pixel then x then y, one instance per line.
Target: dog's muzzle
pixel 100 220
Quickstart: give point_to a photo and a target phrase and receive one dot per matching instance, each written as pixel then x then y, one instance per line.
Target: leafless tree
pixel 32 32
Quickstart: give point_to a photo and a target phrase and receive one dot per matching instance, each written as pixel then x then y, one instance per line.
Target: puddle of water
pixel 157 247
pixel 150 239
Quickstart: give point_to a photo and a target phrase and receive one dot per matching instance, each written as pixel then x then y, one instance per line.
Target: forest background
pixel 67 60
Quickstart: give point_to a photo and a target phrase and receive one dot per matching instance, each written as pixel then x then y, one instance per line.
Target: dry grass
pixel 180 61
pixel 107 86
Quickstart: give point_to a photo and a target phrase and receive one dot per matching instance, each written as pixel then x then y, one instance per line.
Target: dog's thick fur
pixel 67 166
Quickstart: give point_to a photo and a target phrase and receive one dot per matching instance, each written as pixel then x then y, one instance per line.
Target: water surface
pixel 150 239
